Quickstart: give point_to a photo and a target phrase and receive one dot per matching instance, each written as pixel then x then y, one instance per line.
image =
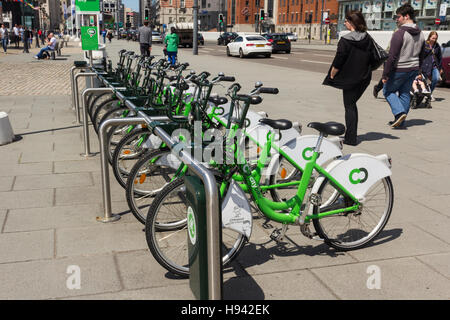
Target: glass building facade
pixel 379 13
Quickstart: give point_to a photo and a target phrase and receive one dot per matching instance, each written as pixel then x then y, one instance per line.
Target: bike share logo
pixel 192 228
pixel 91 32
pixel 307 153
pixel 358 175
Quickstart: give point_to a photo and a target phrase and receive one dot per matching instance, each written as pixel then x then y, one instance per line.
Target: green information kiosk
pixel 88 12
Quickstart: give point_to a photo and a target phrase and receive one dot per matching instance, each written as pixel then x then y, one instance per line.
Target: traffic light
pixel 261 14
pixel 220 18
pixel 146 14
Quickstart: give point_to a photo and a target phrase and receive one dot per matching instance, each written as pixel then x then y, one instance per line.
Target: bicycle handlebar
pixel 268 90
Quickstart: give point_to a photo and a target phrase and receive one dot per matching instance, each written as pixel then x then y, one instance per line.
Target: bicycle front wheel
pixel 355 229
pixel 127 153
pixel 166 231
pixel 147 178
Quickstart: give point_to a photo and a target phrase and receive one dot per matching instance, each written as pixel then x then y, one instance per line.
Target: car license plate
pixel 260 45
pixel 281 42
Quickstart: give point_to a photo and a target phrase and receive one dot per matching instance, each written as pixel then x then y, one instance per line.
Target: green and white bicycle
pixel 349 202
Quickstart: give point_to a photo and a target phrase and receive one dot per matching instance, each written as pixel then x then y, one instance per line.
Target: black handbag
pixel 378 55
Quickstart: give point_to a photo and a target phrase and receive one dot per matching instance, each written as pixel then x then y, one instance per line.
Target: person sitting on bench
pixel 51 44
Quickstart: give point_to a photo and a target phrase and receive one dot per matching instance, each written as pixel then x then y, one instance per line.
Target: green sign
pixel 87 5
pixel 89 38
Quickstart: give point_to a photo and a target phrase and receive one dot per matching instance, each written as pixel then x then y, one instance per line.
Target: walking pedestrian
pixel 104 35
pixel 36 35
pixel 145 39
pixel 21 33
pixel 403 64
pixel 171 42
pixel 4 37
pixel 16 36
pixel 432 61
pixel 351 70
pixel 26 39
pixel 109 35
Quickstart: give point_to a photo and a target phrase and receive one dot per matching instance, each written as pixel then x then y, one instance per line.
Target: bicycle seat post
pixel 319 143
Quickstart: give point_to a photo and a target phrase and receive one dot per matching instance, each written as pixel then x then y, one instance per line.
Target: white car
pixel 249 45
pixel 292 36
pixel 156 37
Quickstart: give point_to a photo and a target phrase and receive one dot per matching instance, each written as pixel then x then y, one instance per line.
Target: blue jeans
pixel 47 48
pixel 5 44
pixel 435 74
pixel 172 56
pixel 401 83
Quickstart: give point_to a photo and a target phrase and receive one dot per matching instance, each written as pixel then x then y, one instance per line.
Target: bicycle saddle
pixel 281 124
pixel 218 100
pixel 333 128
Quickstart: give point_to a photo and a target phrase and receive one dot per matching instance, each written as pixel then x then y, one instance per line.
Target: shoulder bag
pixel 378 55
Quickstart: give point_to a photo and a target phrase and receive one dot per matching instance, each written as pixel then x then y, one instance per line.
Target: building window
pixel 296 16
pixel 203 3
pixel 246 18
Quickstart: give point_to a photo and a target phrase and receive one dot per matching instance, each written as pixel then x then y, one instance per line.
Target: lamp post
pixel 116 18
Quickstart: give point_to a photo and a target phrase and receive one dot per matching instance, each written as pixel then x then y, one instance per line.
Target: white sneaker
pixel 426 91
pixel 36 57
pixel 432 99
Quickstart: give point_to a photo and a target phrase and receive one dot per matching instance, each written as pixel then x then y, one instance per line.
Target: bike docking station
pixel 203 216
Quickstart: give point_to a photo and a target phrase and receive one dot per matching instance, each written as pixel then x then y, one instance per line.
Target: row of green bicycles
pixel 263 166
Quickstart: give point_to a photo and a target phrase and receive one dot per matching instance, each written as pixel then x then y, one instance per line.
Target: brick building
pixel 243 15
pixel 174 11
pixel 291 16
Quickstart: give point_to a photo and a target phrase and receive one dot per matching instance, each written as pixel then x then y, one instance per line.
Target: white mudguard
pixel 301 149
pixel 236 212
pixel 153 142
pixel 169 160
pixel 357 172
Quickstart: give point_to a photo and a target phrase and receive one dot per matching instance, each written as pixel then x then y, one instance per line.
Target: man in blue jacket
pixel 403 64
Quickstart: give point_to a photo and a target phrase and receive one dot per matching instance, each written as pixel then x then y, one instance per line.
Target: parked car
pixel 249 45
pixel 279 41
pixel 201 40
pixel 226 37
pixel 132 35
pixel 446 63
pixel 292 36
pixel 156 37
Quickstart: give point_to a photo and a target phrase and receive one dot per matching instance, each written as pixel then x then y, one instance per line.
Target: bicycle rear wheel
pixel 168 245
pixel 285 172
pixel 354 230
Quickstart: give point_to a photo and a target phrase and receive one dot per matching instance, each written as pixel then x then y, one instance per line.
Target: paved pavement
pixel 50 196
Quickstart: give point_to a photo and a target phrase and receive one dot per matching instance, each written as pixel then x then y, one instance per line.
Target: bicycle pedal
pixel 317 238
pixel 276 235
pixel 267 225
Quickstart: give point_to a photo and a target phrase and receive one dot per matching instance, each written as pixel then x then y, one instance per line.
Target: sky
pixel 132 4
